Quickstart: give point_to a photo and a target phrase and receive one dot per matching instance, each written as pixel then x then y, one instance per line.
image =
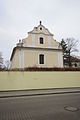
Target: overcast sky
pixel 17 17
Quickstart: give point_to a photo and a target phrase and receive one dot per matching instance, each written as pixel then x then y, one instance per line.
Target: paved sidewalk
pixel 19 93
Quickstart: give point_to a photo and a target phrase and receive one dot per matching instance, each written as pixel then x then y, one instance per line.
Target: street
pixel 46 107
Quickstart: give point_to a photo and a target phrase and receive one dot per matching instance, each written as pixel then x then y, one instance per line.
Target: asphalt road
pixel 47 107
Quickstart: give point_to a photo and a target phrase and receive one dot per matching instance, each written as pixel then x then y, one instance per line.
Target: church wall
pixel 15 60
pixel 45 38
pixel 33 40
pixel 29 40
pixel 51 59
pixel 30 58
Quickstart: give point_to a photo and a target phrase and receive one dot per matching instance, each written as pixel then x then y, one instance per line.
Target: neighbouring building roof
pixel 73 59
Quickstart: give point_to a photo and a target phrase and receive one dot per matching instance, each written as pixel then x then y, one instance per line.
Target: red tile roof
pixel 73 59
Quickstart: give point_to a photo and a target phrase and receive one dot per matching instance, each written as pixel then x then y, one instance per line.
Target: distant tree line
pixel 4 65
pixel 1 61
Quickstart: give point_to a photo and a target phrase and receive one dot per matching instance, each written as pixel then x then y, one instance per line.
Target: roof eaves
pixel 14 49
pixel 39 48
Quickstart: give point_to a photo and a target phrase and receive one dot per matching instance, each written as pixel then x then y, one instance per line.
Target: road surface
pixel 47 107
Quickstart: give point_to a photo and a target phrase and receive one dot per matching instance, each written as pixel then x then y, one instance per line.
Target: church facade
pixel 39 49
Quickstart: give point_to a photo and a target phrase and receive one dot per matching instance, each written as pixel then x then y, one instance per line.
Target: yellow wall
pixel 38 80
pixel 52 60
pixel 30 58
pixel 28 41
pixel 15 60
pixel 41 33
pixel 37 44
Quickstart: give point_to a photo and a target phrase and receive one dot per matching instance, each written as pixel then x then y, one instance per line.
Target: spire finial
pixel 40 22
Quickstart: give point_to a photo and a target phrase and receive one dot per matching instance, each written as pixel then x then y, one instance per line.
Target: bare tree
pixel 7 64
pixel 1 60
pixel 71 47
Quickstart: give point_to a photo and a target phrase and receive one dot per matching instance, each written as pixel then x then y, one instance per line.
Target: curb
pixel 10 96
pixel 41 89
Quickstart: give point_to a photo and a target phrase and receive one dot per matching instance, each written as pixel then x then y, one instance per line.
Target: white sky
pixel 17 17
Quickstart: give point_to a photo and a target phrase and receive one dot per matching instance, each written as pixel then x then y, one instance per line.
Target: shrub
pixel 45 69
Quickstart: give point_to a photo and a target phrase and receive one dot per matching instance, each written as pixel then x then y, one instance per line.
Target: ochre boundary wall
pixel 18 80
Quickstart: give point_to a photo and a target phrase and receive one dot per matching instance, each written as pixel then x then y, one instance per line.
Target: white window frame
pixel 39 40
pixel 39 59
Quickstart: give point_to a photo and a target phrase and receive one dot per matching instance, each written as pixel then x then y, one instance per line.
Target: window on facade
pixel 41 59
pixel 41 40
pixel 40 28
pixel 75 64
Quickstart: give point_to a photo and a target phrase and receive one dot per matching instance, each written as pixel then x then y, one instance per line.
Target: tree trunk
pixel 69 60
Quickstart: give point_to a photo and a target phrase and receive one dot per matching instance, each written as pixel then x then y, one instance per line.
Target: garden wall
pixel 22 80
